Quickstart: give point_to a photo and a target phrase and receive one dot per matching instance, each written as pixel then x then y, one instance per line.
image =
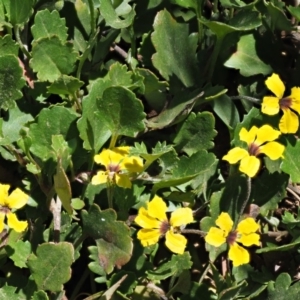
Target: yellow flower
pixel 155 224
pixel 15 200
pixel 244 234
pixel 289 122
pixel 259 140
pixel 118 165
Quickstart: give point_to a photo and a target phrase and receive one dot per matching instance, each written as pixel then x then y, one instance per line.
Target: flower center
pixel 253 149
pixel 285 103
pixel 4 209
pixel 231 238
pixel 112 169
pixel 164 227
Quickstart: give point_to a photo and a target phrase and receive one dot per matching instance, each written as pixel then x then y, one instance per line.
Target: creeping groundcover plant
pixel 149 150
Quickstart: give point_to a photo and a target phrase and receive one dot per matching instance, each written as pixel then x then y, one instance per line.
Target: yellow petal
pixel 2 216
pixel 148 236
pixel 273 150
pixel 132 164
pixel 215 237
pixel 266 134
pixel 157 208
pixel 248 136
pixel 249 239
pixel 181 216
pixel 124 150
pixel 235 154
pixel 99 178
pixel 4 194
pixel 224 222
pixel 14 223
pixel 145 221
pixel 275 85
pixel 175 242
pixel 295 96
pixel 122 180
pixel 107 157
pixel 247 226
pixel 250 165
pixel 289 122
pixel 270 106
pixel 238 255
pixel 17 199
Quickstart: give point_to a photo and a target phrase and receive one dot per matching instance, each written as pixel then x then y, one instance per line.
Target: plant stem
pixel 247 197
pixel 92 10
pixel 214 57
pixel 80 283
pixel 248 98
pixel 194 231
pixel 110 194
pixel 18 38
pixel 207 267
pixel 113 141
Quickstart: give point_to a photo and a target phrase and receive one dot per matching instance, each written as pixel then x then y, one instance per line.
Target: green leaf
pixel 50 123
pixel 174 267
pixel 51 58
pixel 47 24
pixel 19 251
pixel 8 292
pixel 114 245
pixel 92 130
pixel 266 195
pixel 18 12
pixel 291 161
pixel 294 11
pixel 63 188
pixel 226 110
pixel 175 49
pixel 128 284
pixel 196 133
pixel 50 267
pixel 246 59
pixel 111 15
pixel 179 108
pixel 65 85
pixel 11 81
pixel 121 111
pixel 279 20
pixel 159 150
pixel 155 90
pixel 283 288
pixel 198 291
pixel 8 46
pixel 39 295
pixel 13 123
pixel 187 169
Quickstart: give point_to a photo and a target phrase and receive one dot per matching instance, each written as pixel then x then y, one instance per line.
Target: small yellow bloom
pixel 155 224
pixel 118 165
pixel 289 123
pixel 244 234
pixel 15 200
pixel 259 140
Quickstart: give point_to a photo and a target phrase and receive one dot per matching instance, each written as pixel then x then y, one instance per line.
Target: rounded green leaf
pixel 18 12
pixel 51 58
pixel 50 123
pixel 11 81
pixel 196 133
pixel 48 23
pixel 291 161
pixel 121 111
pixel 50 267
pixel 175 49
pixel 112 237
pixel 246 59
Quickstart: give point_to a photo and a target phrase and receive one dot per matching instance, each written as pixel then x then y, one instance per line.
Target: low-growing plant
pixel 149 149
